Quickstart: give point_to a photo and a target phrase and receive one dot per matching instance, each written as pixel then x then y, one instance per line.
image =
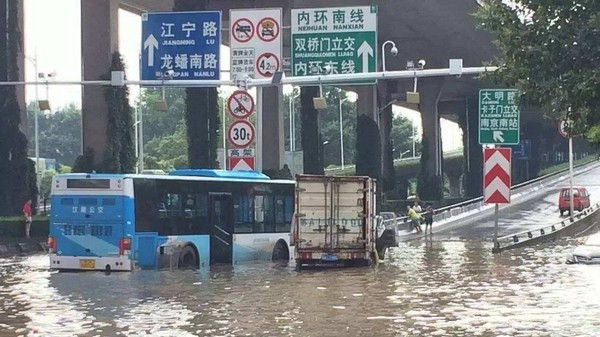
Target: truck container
pixel 334 221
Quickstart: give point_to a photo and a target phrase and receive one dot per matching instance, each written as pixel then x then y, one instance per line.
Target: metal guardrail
pixel 507 241
pixel 466 206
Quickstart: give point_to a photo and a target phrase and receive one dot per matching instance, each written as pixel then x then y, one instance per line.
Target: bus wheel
pixel 188 259
pixel 281 253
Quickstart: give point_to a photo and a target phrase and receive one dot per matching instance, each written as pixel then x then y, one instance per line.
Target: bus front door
pixel 221 220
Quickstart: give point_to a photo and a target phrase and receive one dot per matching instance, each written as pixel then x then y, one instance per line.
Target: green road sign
pixel 499 117
pixel 342 39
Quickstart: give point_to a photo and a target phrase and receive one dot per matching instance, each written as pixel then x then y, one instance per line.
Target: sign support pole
pixel 571 206
pixel 259 129
pixel 496 216
pixel 223 119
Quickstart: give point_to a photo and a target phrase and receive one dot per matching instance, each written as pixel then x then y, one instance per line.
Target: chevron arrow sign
pixel 496 176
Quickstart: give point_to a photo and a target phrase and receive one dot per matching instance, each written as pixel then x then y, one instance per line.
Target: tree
pixel 201 112
pixel 59 133
pixel 169 151
pixel 119 156
pixel 402 136
pixel 550 51
pixel 17 173
pixel 160 123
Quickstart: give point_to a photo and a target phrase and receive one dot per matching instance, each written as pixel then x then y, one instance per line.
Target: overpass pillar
pixel 20 89
pixel 272 129
pixel 386 89
pixel 312 145
pixel 368 148
pixel 472 150
pixel 430 177
pixel 99 39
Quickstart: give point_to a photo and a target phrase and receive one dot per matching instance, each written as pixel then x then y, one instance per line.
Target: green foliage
pixel 46 183
pixel 550 51
pixel 13 227
pixel 593 134
pixel 401 137
pixel 119 156
pixel 167 152
pixel 17 173
pixel 65 169
pixel 161 123
pixel 59 133
pixel 85 162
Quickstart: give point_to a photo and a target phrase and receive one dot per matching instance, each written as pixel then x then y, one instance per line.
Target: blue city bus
pixel 186 219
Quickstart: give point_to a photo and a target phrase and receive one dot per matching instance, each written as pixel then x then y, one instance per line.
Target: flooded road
pixel 426 288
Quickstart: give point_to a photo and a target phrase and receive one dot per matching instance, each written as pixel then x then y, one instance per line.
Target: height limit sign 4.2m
pixel 499 117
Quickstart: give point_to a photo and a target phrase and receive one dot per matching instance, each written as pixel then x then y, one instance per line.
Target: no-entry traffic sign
pixel 267 29
pixel 241 133
pixel 242 30
pixel 240 104
pixel 496 176
pixel 564 128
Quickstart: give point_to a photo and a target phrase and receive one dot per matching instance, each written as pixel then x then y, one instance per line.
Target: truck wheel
pixel 188 259
pixel 281 253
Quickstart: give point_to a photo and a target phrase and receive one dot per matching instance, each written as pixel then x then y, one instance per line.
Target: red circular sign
pixel 242 30
pixel 267 29
pixel 267 64
pixel 240 133
pixel 240 104
pixel 564 127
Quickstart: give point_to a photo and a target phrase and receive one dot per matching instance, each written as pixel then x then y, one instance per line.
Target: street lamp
pixel 292 122
pixel 394 51
pixel 39 105
pixel 33 61
pixel 341 132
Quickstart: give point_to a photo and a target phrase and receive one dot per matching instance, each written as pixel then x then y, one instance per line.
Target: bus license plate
pixel 87 264
pixel 329 258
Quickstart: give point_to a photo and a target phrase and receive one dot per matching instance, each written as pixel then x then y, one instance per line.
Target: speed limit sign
pixel 241 133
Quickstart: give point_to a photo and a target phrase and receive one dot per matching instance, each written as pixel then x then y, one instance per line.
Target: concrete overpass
pixel 422 29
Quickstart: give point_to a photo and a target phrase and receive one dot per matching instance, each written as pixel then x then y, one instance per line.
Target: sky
pixel 52 26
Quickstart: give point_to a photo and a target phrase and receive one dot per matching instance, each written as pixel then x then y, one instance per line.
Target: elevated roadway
pixel 538 209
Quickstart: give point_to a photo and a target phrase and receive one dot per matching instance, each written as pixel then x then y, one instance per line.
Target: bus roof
pixel 253 175
pixel 189 177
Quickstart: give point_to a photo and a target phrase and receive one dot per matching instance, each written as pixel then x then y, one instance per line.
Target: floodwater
pixel 426 288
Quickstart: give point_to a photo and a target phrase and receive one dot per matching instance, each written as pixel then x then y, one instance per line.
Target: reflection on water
pixel 426 288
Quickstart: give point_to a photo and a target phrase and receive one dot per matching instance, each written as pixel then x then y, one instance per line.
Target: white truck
pixel 334 221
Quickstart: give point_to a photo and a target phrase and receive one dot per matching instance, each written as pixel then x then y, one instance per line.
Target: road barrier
pixel 579 224
pixel 469 207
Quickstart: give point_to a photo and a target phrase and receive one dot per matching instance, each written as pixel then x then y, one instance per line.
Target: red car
pixel 581 199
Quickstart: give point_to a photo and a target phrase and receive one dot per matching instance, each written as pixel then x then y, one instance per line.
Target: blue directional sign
pixel 522 150
pixel 185 42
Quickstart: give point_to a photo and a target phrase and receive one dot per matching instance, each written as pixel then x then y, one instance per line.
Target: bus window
pixel 283 213
pixel 243 208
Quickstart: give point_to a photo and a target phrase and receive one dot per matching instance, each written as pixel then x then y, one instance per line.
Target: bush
pixel 14 227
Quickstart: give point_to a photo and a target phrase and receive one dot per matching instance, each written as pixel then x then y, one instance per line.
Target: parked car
pixel 588 253
pixel 581 199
